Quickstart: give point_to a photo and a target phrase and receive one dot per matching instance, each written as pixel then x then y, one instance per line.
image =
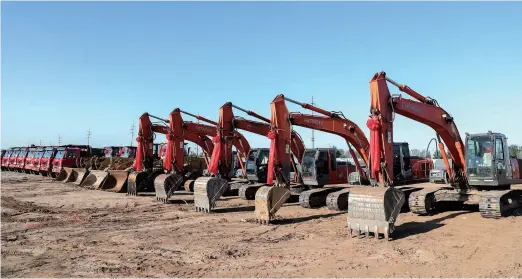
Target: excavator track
pixel 248 191
pixel 338 200
pixel 316 198
pixel 374 210
pixel 166 184
pixel 207 190
pixel 496 204
pixel 268 201
pixel 422 202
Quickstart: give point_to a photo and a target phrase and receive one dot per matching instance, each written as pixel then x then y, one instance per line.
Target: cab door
pixel 501 162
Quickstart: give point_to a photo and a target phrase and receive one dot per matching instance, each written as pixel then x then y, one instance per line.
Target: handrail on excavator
pixel 406 89
pixel 311 107
pixel 199 117
pixel 251 113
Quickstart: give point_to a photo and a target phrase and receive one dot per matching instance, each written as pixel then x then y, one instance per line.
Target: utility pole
pixel 89 137
pixel 132 133
pixel 59 140
pixel 313 138
pixel 40 142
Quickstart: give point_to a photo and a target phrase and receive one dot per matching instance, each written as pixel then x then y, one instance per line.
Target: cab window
pixel 499 149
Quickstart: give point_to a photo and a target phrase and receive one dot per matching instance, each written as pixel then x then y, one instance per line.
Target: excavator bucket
pixel 64 174
pixel 166 184
pixel 116 181
pixel 140 181
pixel 207 190
pixel 135 178
pixel 94 179
pixel 374 210
pixel 268 201
pixel 79 175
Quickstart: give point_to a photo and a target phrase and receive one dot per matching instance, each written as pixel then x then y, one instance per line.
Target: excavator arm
pixel 225 136
pixel 342 127
pixel 145 152
pixel 263 129
pixel 179 131
pixel 424 110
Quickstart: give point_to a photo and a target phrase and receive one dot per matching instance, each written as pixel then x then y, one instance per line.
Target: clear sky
pixel 68 67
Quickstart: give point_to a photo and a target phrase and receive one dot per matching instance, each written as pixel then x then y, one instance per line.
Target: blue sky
pixel 68 67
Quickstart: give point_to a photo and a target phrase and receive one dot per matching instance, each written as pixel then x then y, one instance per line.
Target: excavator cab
pixel 488 162
pixel 257 164
pixel 320 167
pixel 401 161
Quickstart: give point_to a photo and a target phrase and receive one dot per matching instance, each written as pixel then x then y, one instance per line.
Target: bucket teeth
pixel 201 209
pixel 207 190
pixel 268 201
pixel 374 210
pixel 166 184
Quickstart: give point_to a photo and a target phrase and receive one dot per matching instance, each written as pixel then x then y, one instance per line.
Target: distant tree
pixel 415 152
pixel 514 150
pixel 340 153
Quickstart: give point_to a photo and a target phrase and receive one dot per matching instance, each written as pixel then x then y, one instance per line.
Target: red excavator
pixel 146 167
pixel 208 189
pixel 320 165
pixel 257 161
pixel 482 173
pixel 180 170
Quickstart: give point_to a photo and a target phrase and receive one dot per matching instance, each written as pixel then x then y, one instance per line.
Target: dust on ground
pixel 51 229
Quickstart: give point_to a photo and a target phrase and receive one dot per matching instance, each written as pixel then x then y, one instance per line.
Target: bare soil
pixel 50 229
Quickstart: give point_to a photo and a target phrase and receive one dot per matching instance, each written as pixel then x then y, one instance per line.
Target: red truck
pixel 6 158
pixel 35 166
pixel 28 160
pixel 46 159
pixel 66 156
pixel 18 160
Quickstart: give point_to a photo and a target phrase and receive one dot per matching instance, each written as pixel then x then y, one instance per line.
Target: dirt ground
pixel 51 229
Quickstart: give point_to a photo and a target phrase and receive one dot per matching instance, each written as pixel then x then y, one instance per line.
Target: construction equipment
pixel 65 162
pixel 181 168
pixel 45 162
pixel 35 162
pixel 257 158
pixel 208 190
pixel 14 157
pixel 116 158
pixel 6 158
pixel 147 166
pixel 319 166
pixel 485 180
pixel 19 162
pixel 29 160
